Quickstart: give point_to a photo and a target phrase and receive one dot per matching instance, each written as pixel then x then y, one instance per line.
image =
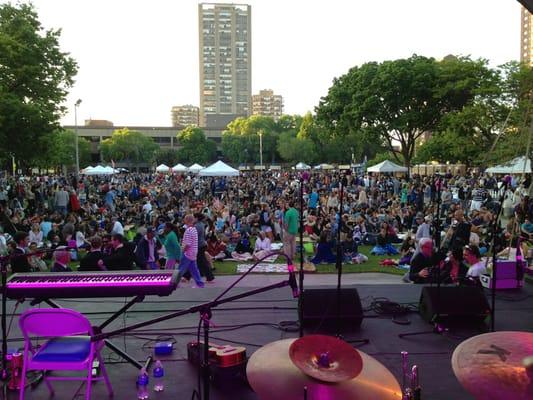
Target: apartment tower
pixel 526 37
pixel 225 39
pixel 267 103
pixel 186 115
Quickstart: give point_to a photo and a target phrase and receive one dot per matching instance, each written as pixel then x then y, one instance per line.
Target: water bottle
pixel 142 385
pixel 159 373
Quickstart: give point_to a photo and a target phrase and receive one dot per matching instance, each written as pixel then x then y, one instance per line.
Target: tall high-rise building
pixel 184 115
pixel 225 38
pixel 526 37
pixel 267 103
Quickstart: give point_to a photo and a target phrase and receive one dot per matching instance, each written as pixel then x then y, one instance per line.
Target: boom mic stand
pixel 205 315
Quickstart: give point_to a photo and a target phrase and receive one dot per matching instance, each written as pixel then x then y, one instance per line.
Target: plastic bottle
pixel 142 385
pixel 159 374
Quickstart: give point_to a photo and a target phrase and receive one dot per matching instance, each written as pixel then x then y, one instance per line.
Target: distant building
pixel 267 103
pixel 98 122
pixel 225 41
pixel 186 115
pixel 526 38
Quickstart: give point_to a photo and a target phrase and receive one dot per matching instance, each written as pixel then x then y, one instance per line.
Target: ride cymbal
pixel 496 366
pixel 326 358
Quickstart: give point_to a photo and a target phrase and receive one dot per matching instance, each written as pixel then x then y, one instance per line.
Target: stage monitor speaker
pixel 320 310
pixel 459 304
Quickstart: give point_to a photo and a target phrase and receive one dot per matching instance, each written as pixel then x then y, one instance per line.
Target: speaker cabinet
pixel 320 310
pixel 462 304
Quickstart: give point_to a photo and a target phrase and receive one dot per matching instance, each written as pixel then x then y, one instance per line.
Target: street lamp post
pixel 261 149
pixel 76 105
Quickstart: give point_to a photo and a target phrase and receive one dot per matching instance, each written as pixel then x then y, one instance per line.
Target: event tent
pixel 386 166
pixel 516 166
pixel 162 168
pixel 302 165
pixel 99 170
pixel 219 169
pixel 179 168
pixel 195 168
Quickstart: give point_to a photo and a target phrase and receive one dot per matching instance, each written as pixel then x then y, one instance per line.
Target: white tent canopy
pixel 516 166
pixel 219 169
pixel 386 166
pixel 179 168
pixel 302 165
pixel 99 170
pixel 195 168
pixel 162 168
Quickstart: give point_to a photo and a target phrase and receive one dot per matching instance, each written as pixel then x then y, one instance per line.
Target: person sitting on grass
pixel 216 247
pixel 324 250
pixel 263 246
pixel 384 245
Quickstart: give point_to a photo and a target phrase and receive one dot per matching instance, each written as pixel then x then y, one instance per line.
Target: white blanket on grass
pixel 263 267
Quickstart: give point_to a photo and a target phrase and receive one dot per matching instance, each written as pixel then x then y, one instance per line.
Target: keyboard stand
pixel 98 329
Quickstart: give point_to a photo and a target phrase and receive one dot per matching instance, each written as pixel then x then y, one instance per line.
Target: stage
pixel 237 323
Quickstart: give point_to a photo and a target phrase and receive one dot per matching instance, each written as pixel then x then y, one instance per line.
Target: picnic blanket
pixel 263 267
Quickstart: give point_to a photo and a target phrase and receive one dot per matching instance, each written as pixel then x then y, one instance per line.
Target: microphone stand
pixel 301 272
pixel 5 372
pixel 338 264
pixel 435 272
pixel 205 311
pixel 495 224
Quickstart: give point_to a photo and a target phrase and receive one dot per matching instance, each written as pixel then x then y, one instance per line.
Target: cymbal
pixel 326 358
pixel 273 376
pixel 496 365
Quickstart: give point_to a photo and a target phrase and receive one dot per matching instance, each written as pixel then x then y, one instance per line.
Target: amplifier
pixel 509 275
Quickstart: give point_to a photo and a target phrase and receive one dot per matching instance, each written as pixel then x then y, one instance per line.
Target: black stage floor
pixel 432 353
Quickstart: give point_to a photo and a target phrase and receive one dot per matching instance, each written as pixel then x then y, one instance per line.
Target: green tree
pixel 293 149
pixel 60 150
pixel 35 76
pixel 130 147
pixel 241 139
pixel 195 147
pixel 169 157
pixel 396 102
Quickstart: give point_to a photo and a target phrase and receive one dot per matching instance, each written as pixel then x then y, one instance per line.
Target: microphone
pixel 292 280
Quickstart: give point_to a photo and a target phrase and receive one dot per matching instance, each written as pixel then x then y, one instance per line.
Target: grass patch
pixel 372 265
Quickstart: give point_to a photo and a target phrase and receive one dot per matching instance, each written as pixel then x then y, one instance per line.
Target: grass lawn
pixel 372 265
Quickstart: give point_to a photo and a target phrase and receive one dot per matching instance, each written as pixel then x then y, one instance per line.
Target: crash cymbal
pixel 326 358
pixel 273 376
pixel 496 365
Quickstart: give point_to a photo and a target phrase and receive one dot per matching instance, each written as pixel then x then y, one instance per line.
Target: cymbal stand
pixel 410 383
pixel 5 372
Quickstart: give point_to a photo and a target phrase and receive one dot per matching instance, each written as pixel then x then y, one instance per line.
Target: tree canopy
pixel 130 147
pixel 195 147
pixel 35 76
pixel 395 102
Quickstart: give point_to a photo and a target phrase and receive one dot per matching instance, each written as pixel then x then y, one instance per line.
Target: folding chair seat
pixel 68 348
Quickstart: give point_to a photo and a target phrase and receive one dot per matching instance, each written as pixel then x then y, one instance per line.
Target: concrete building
pixel 186 115
pixel 526 37
pixel 267 103
pixel 165 137
pixel 225 41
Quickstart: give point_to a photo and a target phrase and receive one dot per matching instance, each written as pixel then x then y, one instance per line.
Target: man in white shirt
pixel 472 257
pixel 117 229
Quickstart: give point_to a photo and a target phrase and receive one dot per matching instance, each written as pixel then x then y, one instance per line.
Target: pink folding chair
pixel 69 347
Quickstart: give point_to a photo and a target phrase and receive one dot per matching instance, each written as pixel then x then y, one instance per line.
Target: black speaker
pixel 461 304
pixel 320 310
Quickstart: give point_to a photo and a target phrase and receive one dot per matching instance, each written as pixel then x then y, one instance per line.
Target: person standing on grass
pixel 190 251
pixel 290 222
pixel 171 244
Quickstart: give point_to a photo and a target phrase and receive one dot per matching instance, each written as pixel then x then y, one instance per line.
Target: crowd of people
pixel 439 225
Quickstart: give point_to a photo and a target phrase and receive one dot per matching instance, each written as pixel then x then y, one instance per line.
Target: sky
pixel 138 58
